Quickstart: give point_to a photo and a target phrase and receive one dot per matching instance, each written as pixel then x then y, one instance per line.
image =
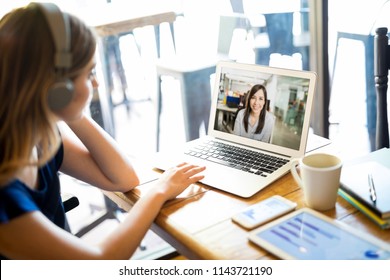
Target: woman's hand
pixel 176 179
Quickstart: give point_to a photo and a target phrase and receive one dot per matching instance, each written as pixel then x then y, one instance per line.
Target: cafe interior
pixel 168 50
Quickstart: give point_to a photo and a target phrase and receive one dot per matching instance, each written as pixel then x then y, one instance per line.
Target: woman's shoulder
pixel 16 199
pixel 240 112
pixel 270 116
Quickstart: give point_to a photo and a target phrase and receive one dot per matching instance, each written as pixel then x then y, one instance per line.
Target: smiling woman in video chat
pixel 254 121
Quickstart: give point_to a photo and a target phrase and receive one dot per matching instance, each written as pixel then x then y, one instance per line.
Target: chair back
pixel 228 26
pixel 381 72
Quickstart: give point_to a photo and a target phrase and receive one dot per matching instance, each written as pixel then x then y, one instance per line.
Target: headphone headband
pixel 61 92
pixel 60 30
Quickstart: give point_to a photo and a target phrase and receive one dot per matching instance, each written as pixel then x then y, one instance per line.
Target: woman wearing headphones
pixel 46 76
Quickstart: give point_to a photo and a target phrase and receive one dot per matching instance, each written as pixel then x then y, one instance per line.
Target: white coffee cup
pixel 319 178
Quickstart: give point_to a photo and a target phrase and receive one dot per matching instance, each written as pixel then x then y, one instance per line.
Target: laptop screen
pixel 263 107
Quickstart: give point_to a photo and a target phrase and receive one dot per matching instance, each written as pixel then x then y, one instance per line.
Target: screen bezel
pixel 289 152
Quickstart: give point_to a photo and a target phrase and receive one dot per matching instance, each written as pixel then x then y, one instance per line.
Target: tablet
pixel 309 235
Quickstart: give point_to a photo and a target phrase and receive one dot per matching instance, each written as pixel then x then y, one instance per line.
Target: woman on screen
pixel 254 121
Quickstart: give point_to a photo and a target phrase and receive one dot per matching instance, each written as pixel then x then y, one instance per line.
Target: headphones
pixel 61 92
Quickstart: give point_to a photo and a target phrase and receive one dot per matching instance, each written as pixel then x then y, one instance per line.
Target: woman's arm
pixel 143 213
pixel 91 155
pixel 33 236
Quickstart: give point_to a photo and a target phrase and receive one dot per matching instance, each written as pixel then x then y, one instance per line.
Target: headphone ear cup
pixel 60 94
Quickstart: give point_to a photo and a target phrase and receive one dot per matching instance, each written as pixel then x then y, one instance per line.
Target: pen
pixel 372 187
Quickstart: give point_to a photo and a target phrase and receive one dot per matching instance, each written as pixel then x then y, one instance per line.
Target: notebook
pixel 238 164
pixel 354 181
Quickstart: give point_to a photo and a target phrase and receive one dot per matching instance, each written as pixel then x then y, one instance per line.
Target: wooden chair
pixel 381 72
pixel 111 59
pixel 70 201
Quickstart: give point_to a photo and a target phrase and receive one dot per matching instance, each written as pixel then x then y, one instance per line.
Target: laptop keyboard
pixel 236 157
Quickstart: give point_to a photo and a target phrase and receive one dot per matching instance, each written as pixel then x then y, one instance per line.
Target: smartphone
pixel 264 211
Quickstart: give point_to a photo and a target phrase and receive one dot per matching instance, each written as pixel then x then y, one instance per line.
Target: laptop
pixel 238 164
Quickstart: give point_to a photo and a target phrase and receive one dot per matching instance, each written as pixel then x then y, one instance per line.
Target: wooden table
pixel 198 223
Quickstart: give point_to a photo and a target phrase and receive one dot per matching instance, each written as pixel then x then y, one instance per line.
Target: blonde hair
pixel 26 73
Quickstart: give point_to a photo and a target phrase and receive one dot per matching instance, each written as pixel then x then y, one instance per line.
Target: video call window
pixel 285 104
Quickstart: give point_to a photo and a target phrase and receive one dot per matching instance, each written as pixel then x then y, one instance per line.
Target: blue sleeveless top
pixel 17 199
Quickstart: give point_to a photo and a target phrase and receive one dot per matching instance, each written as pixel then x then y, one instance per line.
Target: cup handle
pixel 294 163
